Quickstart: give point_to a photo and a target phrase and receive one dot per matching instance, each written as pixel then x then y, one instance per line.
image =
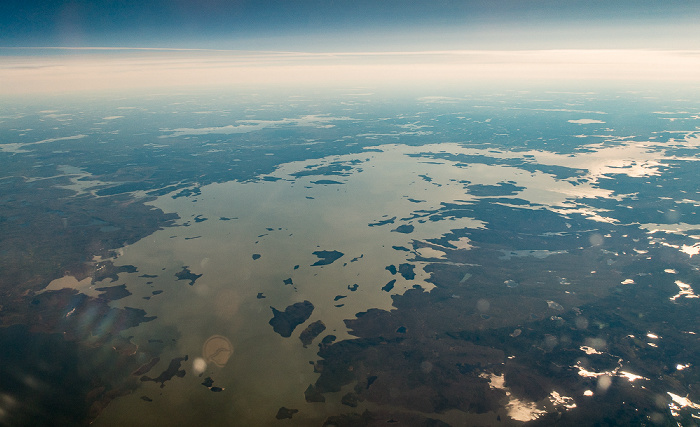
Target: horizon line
pixel 345 53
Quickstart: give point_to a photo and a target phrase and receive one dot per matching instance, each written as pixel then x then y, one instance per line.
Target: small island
pixel 284 322
pixel 326 257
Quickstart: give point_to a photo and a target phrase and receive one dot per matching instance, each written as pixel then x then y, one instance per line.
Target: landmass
pixel 536 322
pixel 406 270
pixel 113 293
pixel 284 322
pixel 173 370
pixel 382 222
pixel 312 395
pixel 311 332
pixel 209 383
pixel 378 418
pixel 107 270
pixel 186 274
pixel 405 229
pixel 143 369
pixel 326 182
pixel 285 413
pixel 389 286
pixel 326 257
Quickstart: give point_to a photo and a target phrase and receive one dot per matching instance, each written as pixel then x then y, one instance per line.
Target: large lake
pixel 352 258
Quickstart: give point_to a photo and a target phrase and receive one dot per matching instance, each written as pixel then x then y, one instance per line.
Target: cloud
pixel 139 69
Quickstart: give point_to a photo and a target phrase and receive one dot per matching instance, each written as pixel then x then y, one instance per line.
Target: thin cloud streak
pixel 126 49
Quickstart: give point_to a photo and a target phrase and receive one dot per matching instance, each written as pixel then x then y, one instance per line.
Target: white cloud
pixel 130 70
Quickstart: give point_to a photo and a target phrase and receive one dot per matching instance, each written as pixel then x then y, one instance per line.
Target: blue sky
pixel 318 25
pixel 341 42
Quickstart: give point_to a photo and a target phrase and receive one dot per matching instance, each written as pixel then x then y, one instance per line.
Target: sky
pixel 56 46
pixel 352 25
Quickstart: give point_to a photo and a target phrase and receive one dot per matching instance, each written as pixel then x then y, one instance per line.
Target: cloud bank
pixel 136 70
